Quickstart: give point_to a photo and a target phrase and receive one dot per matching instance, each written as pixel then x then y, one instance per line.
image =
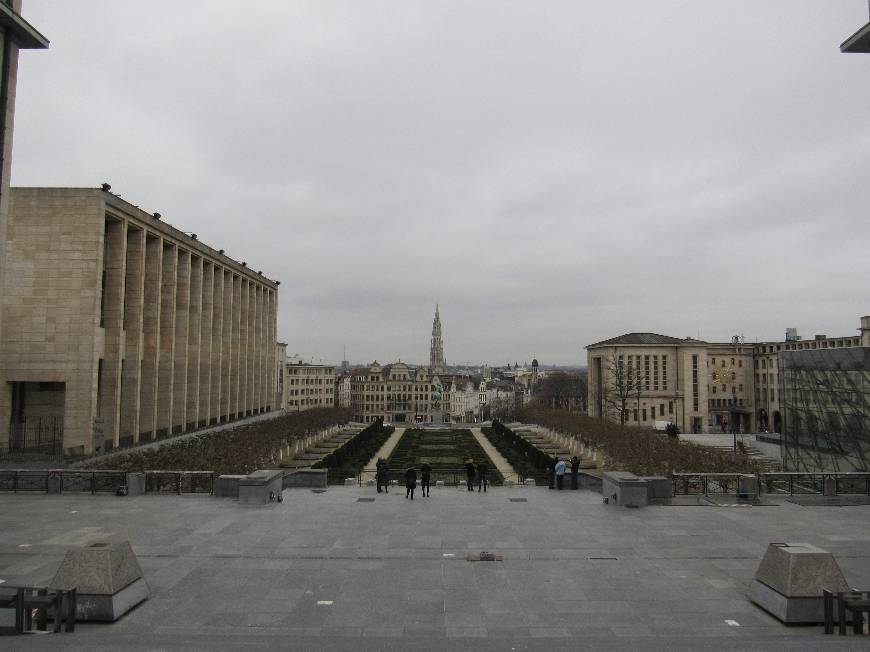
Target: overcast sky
pixel 552 173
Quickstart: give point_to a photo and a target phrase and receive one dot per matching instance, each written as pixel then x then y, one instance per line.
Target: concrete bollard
pixel 349 482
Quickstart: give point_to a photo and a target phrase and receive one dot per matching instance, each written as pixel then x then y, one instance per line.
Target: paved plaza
pixel 326 571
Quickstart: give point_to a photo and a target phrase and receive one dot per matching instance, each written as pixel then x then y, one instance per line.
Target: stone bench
pixel 624 489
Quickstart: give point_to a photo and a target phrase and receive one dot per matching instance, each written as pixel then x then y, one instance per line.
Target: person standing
pixel 482 469
pixel 425 475
pixel 382 475
pixel 469 474
pixel 560 473
pixel 410 482
pixel 575 468
pixel 553 461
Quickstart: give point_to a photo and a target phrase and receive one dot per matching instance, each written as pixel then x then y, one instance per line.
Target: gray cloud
pixel 553 174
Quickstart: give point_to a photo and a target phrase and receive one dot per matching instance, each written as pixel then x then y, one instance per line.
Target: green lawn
pixel 444 450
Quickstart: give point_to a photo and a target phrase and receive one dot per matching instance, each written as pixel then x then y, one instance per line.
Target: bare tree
pixel 623 383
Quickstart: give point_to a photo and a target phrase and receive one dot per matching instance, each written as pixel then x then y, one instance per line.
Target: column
pixel 167 340
pixel 205 344
pixel 133 324
pixel 243 345
pixel 193 343
pixel 150 337
pixel 182 321
pixel 226 346
pixel 235 350
pixel 217 321
pixel 114 253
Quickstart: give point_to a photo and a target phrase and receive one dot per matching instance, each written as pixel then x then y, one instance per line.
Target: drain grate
pixel 485 556
pixel 518 500
pixel 365 500
pixel 319 491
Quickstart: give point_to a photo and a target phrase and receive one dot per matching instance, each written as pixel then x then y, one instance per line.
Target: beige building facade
pixel 120 329
pixel 15 34
pixel 396 393
pixel 308 386
pixel 645 378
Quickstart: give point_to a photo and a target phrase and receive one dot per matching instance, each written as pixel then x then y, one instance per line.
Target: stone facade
pixel 308 386
pixel 395 393
pixel 699 386
pixel 138 330
pixel 15 34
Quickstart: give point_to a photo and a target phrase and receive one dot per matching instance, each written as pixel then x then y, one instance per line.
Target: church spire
pixel 436 348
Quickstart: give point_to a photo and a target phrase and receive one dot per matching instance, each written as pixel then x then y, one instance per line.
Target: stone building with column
pixel 120 329
pixel 15 34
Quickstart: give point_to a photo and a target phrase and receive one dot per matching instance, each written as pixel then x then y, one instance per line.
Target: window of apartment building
pixel 714 389
pixel 664 372
pixel 643 414
pixel 655 373
pixel 741 388
pixel 740 364
pixel 661 409
pixel 732 362
pixel 635 415
pixel 695 397
pixel 646 372
pixel 670 407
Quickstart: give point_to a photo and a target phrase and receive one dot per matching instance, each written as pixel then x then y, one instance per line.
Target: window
pixel 661 409
pixel 643 414
pixel 670 407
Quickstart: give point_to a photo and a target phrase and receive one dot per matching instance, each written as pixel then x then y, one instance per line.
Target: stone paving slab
pixel 324 571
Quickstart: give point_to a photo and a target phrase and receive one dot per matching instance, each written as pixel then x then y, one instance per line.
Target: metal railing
pixel 70 481
pixel 34 438
pixel 450 477
pixel 780 482
pixel 179 482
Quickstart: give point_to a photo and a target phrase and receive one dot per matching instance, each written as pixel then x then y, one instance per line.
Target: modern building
pixel 15 34
pixel 120 329
pixel 308 386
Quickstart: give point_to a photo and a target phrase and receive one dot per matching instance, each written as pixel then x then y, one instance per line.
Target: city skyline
pixel 550 176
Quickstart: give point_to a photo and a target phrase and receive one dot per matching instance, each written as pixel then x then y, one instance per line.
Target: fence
pixel 782 483
pixel 34 438
pixel 450 477
pixel 72 481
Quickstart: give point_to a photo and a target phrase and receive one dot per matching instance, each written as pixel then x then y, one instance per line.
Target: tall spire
pixel 436 348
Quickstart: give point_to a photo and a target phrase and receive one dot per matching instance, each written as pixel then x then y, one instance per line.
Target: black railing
pixel 71 481
pixel 782 483
pixel 91 481
pixel 450 477
pixel 34 438
pixel 179 482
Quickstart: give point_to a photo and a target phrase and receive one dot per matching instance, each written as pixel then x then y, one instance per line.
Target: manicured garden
pixel 444 450
pixel 638 450
pixel 239 450
pixel 527 460
pixel 352 457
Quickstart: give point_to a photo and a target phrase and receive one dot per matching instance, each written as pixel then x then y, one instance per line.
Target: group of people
pixel 382 478
pixel 473 472
pixel 479 472
pixel 558 468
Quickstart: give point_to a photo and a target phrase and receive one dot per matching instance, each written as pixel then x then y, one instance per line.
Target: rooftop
pixel 649 339
pixel 324 571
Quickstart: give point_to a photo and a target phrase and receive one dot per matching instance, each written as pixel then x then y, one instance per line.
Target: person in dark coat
pixel 575 468
pixel 382 475
pixel 410 482
pixel 469 474
pixel 482 469
pixel 553 461
pixel 425 475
